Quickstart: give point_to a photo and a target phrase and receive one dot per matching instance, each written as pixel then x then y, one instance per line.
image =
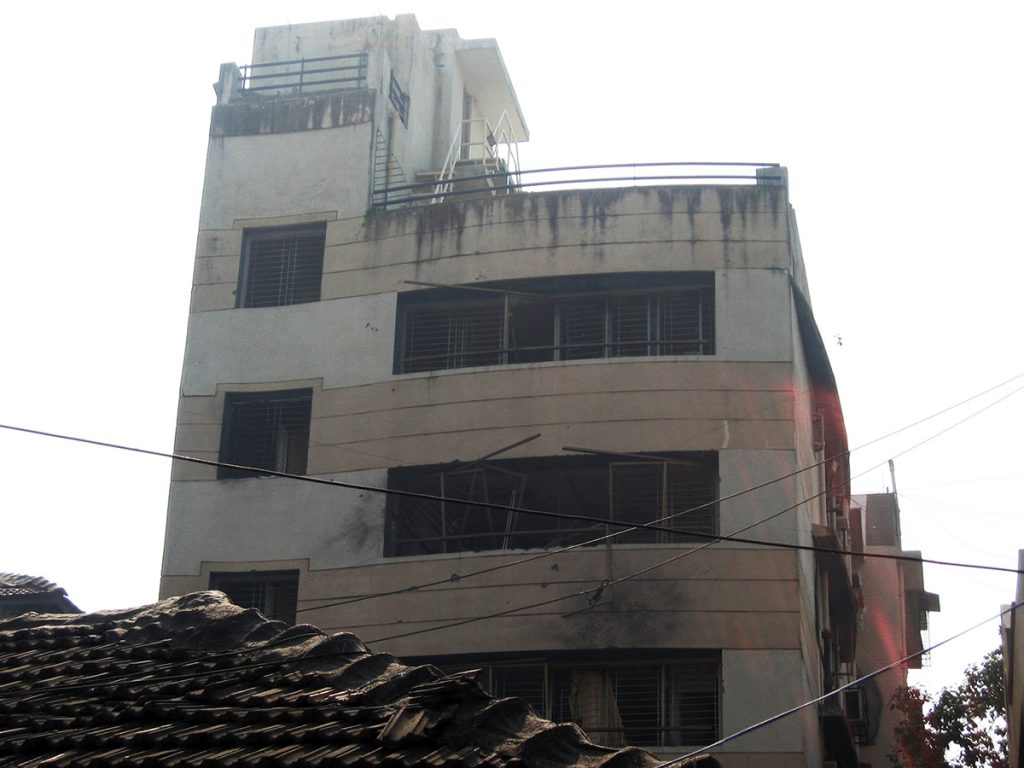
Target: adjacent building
pixel 385 302
pixel 895 608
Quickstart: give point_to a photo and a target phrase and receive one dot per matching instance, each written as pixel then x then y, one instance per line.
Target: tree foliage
pixel 962 727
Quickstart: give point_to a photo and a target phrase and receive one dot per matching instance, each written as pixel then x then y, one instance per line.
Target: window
pixel 399 99
pixel 557 319
pixel 679 491
pixel 265 430
pixel 281 266
pixel 675 702
pixel 272 593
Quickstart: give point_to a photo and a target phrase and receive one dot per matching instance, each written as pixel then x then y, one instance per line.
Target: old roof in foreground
pixel 20 593
pixel 198 681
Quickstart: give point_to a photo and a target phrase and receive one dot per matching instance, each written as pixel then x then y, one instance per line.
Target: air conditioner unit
pixel 855 706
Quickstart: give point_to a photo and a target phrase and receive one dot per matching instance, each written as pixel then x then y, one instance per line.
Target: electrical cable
pixel 713 539
pixel 459 577
pixel 607 583
pixel 864 678
pixel 596 592
pixel 626 527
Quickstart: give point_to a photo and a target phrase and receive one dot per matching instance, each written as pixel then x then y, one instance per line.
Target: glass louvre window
pixel 453 336
pixel 692 692
pixel 684 327
pixel 265 430
pixel 281 266
pixel 638 704
pixel 678 492
pixel 452 328
pixel 582 327
pixel 272 593
pixel 525 681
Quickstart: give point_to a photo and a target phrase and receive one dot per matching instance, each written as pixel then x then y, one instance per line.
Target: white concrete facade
pixel 762 402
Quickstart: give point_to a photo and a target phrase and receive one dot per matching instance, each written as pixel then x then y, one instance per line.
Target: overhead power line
pixel 596 592
pixel 624 527
pixel 455 577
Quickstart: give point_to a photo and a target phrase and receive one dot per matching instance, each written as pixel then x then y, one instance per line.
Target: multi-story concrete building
pixel 894 613
pixel 382 301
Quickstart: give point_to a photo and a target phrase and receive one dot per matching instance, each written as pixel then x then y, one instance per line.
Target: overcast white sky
pixel 900 124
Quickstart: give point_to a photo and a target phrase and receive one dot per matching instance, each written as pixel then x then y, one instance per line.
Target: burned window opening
pixel 562 319
pixel 679 492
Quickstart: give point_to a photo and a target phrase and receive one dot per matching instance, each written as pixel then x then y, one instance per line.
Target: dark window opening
pixel 675 702
pixel 265 431
pixel 272 593
pixel 281 266
pixel 677 491
pixel 557 319
pixel 399 99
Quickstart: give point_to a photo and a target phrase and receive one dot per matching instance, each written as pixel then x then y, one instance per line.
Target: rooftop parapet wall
pixel 329 109
pixel 519 236
pixel 680 215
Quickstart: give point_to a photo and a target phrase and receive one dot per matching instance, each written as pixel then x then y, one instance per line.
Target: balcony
pixel 303 75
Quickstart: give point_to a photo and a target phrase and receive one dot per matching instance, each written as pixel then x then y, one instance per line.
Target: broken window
pixel 671 703
pixel 561 319
pixel 265 431
pixel 480 507
pixel 281 266
pixel 272 593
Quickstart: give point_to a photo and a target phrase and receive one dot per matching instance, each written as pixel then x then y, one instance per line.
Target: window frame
pixel 420 525
pixel 275 593
pixel 597 306
pixel 287 283
pixel 674 715
pixel 233 422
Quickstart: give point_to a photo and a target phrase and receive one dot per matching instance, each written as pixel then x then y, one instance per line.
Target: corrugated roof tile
pixel 197 682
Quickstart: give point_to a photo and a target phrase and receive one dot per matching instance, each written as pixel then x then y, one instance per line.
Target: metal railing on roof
pixel 345 71
pixel 579 177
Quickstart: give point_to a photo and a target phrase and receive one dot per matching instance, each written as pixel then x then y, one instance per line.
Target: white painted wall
pixel 757 684
pixel 753 315
pixel 284 174
pixel 346 343
pixel 741 470
pixel 273 518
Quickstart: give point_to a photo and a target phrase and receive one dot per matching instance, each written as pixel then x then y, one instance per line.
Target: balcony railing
pixel 479 184
pixel 335 72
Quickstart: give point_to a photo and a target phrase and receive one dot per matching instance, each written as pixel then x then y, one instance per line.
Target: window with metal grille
pixel 557 319
pixel 399 99
pixel 265 431
pixel 281 266
pixel 678 491
pixel 676 702
pixel 272 593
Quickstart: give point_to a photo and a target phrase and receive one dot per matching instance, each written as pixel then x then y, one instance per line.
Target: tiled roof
pixel 196 681
pixel 20 593
pixel 18 585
